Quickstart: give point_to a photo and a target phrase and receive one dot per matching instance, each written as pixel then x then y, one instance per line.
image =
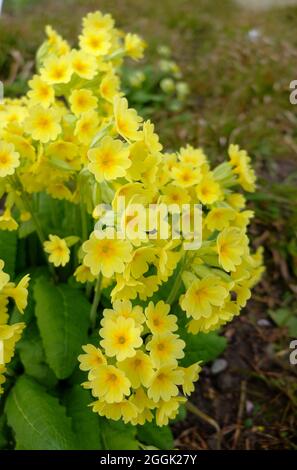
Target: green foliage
pixel 38 420
pixel 63 319
pixel 118 436
pixel 151 434
pixel 33 358
pixel 85 423
pixel 202 347
pixel 285 317
pixel 8 250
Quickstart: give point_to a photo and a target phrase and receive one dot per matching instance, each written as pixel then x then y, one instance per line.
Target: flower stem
pixel 38 227
pixel 200 414
pixel 177 283
pixel 96 301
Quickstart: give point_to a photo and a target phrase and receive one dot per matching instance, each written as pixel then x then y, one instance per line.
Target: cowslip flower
pixel 82 101
pixel 202 295
pixel 158 319
pixel 124 308
pixel 120 338
pixel 92 359
pixel 139 369
pixel 166 349
pixel 83 64
pixel 59 253
pixel 56 70
pixel 134 46
pixel 109 160
pixel 43 124
pixel 96 43
pixel 127 120
pixel 109 383
pixel 41 93
pixel 106 254
pixel 164 383
pixel 9 159
pixel 231 245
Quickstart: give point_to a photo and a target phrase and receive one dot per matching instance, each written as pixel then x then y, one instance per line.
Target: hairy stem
pixel 96 301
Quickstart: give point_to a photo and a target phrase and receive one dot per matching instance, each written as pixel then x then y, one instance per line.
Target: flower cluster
pixel 74 137
pixel 10 334
pixel 136 370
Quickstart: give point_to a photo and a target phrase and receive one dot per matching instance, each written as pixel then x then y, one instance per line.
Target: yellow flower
pixel 164 383
pixel 41 93
pixel 191 375
pixel 241 162
pixel 208 190
pixel 96 43
pixel 165 349
pixel 218 317
pixel 120 338
pixel 43 124
pixel 56 70
pixel 83 274
pixel 82 101
pixel 4 278
pixel 202 295
pixel 59 253
pixel 98 21
pixel 158 320
pixel 168 410
pixel 231 246
pixel 219 218
pixel 110 160
pixel 134 46
pixel 87 127
pixel 115 411
pixel 138 369
pixel 185 175
pixel 125 309
pixel 127 120
pixel 175 195
pixel 84 65
pixel 7 222
pixel 9 159
pixel 106 255
pixel 92 359
pixel 18 293
pixel 143 257
pixel 110 384
pixel 9 336
pixel 195 157
pixel 110 86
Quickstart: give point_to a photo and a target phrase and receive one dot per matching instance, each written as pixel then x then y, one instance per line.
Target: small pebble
pixel 249 406
pixel 218 366
pixel 263 322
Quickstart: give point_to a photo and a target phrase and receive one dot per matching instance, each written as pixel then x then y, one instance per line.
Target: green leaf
pixel 151 434
pixel 38 420
pixel 8 249
pixel 33 358
pixel 63 319
pixel 3 432
pixel 118 436
pixel 202 347
pixel 285 317
pixel 85 423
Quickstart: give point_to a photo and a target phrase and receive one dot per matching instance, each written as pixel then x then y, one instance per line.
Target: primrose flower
pixel 164 383
pixel 231 245
pixel 110 160
pixel 165 349
pixel 138 368
pixel 56 70
pixel 105 254
pixel 92 359
pixel 43 124
pixel 158 319
pixel 82 101
pixel 120 338
pixel 134 46
pixel 127 120
pixel 59 253
pixel 41 93
pixel 94 42
pixel 208 190
pixel 9 159
pixel 202 296
pixel 109 384
pixel 83 64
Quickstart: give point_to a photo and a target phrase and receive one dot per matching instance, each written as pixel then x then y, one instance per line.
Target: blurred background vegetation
pixel 215 72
